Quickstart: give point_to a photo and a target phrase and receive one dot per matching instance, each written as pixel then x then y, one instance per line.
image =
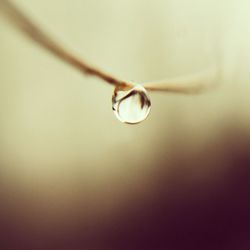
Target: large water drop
pixel 131 106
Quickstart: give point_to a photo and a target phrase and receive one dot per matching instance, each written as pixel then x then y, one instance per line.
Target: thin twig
pixel 36 34
pixel 190 84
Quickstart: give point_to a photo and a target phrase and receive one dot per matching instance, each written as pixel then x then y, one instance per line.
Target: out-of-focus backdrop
pixel 74 177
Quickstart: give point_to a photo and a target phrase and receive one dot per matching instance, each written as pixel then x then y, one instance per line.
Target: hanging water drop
pixel 131 106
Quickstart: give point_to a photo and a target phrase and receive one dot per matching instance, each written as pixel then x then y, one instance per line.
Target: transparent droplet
pixel 131 106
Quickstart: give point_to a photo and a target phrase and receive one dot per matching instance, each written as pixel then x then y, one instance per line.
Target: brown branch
pixel 36 34
pixel 191 84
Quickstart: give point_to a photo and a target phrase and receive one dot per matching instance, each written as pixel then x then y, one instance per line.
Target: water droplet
pixel 131 106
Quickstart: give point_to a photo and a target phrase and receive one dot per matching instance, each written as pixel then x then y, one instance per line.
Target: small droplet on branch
pixel 131 106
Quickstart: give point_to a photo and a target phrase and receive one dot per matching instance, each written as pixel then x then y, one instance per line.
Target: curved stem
pixel 40 37
pixel 192 84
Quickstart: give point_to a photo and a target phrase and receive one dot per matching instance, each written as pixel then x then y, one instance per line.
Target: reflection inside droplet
pixel 131 106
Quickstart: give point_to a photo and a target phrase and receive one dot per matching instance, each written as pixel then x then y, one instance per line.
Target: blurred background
pixel 74 177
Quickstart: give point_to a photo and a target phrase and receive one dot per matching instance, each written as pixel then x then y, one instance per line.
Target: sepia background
pixel 73 177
